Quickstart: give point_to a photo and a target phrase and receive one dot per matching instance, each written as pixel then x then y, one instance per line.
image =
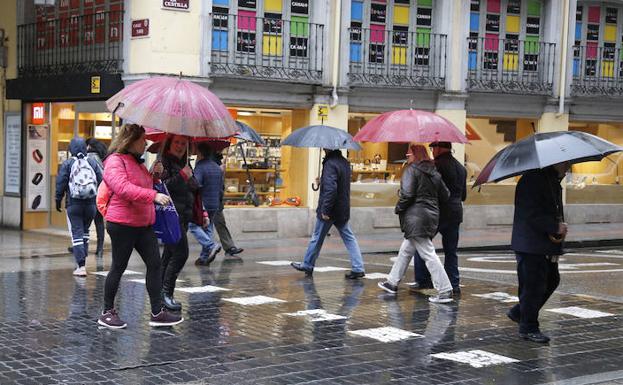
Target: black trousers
pixel 124 239
pixel 223 232
pixel 99 230
pixel 538 278
pixel 174 258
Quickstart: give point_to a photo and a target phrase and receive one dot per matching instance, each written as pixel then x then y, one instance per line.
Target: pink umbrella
pixel 405 126
pixel 174 106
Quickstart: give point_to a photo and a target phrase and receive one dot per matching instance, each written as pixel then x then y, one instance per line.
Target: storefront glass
pixel 597 182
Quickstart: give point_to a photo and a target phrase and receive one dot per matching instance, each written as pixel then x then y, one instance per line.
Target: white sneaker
pixel 80 271
pixel 444 297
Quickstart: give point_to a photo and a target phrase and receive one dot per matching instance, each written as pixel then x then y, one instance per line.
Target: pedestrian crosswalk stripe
pixel 475 358
pixel 202 289
pixel 385 334
pixel 127 272
pixel 580 312
pixel 275 263
pixel 255 300
pixel 316 315
pixel 498 296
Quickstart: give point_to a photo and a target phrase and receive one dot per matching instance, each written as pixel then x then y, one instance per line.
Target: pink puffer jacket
pixel 132 200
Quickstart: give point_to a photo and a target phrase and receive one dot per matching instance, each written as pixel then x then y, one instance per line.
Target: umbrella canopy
pixel 215 144
pixel 543 150
pixel 405 126
pixel 175 106
pixel 321 136
pixel 245 132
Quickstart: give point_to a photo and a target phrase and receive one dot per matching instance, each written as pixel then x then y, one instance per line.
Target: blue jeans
pixel 205 237
pixel 450 241
pixel 320 232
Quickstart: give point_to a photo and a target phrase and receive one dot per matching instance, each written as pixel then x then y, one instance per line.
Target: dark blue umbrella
pixel 321 136
pixel 543 150
pixel 245 132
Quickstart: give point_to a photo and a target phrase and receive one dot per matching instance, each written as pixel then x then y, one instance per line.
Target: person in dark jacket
pixel 97 151
pixel 219 219
pixel 178 177
pixel 333 210
pixel 538 231
pixel 454 177
pixel 79 211
pixel 421 192
pixel 210 177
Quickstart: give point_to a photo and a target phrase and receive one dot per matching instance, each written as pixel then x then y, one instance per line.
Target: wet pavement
pixel 258 321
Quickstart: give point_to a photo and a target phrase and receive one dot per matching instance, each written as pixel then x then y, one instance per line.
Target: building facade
pixel 498 69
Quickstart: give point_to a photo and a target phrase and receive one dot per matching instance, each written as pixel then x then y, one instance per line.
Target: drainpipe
pixel 336 52
pixel 563 59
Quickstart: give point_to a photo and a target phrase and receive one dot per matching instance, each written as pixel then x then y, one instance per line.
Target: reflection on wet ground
pixel 274 326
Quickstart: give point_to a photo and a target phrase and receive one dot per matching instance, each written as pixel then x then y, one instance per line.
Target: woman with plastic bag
pixel 130 215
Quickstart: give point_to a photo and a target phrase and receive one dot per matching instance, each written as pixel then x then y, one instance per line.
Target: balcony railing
pixel 510 65
pixel 397 58
pixel 73 44
pixel 267 48
pixel 597 71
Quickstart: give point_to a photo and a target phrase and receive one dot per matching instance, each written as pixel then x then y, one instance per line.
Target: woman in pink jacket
pixel 129 219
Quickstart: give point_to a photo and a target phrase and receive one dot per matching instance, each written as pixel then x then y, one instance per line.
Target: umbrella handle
pixel 315 187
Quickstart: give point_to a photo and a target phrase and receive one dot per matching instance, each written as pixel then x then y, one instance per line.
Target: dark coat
pixel 538 211
pixel 454 177
pixel 77 148
pixel 181 188
pixel 334 200
pixel 210 177
pixel 421 191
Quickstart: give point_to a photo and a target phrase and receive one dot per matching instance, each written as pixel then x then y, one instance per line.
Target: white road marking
pixel 385 334
pixel 573 266
pixel 376 276
pixel 475 358
pixel 316 315
pixel 498 296
pixel 580 312
pixel 254 300
pixel 275 263
pixel 142 280
pixel 127 272
pixel 202 289
pixel 325 269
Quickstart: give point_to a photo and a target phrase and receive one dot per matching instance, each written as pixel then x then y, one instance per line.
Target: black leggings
pixel 174 258
pixel 124 239
pixel 99 229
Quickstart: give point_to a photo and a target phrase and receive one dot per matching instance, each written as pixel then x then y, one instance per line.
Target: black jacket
pixel 538 210
pixel 181 189
pixel 454 176
pixel 421 192
pixel 334 199
pixel 77 148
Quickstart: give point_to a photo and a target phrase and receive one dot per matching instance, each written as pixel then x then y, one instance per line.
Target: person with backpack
pixel 77 180
pixel 97 151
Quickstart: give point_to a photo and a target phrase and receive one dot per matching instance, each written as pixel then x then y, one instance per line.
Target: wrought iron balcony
pixel 267 48
pixel 397 58
pixel 597 71
pixel 510 65
pixel 74 44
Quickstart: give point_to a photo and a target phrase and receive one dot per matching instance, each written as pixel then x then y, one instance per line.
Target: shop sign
pixel 512 43
pixel 578 14
pixel 493 23
pixel 533 25
pixel 220 17
pixel 95 84
pixel 611 15
pixel 298 46
pixel 246 42
pixel 474 5
pixel 177 5
pixel 514 7
pixel 609 51
pixel 12 153
pixel 422 56
pixel 140 28
pixel 299 6
pixel 530 62
pixel 38 113
pixel 355 31
pixel 424 16
pixel 590 67
pixel 378 13
pixel 400 35
pixel 37 175
pixel 490 61
pixel 323 111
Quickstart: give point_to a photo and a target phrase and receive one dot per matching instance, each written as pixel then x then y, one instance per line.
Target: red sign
pixel 38 113
pixel 140 28
pixel 176 4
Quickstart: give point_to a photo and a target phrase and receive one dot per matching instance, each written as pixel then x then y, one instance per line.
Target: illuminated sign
pixel 38 113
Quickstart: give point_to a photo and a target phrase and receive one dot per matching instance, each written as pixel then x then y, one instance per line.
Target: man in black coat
pixel 538 231
pixel 454 177
pixel 333 210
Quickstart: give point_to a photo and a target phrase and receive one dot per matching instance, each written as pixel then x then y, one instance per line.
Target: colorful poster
pixel 300 6
pixel 298 46
pixel 493 23
pixel 378 13
pixel 12 153
pixel 37 177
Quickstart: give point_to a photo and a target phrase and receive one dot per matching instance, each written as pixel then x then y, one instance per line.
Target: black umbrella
pixel 543 150
pixel 245 132
pixel 321 136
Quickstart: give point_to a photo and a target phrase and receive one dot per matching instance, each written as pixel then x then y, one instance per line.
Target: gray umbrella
pixel 245 132
pixel 543 150
pixel 323 137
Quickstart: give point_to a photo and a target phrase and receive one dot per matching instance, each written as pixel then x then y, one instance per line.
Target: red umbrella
pixel 406 126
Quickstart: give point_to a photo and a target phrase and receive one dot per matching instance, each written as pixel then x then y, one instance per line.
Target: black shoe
pixel 512 317
pixel 233 251
pixel 212 256
pixel 354 275
pixel 201 262
pixel 299 266
pixel 456 290
pixel 170 303
pixel 70 249
pixel 535 337
pixel 420 286
pixel 388 287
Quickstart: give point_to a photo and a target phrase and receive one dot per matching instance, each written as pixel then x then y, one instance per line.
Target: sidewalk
pixel 491 238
